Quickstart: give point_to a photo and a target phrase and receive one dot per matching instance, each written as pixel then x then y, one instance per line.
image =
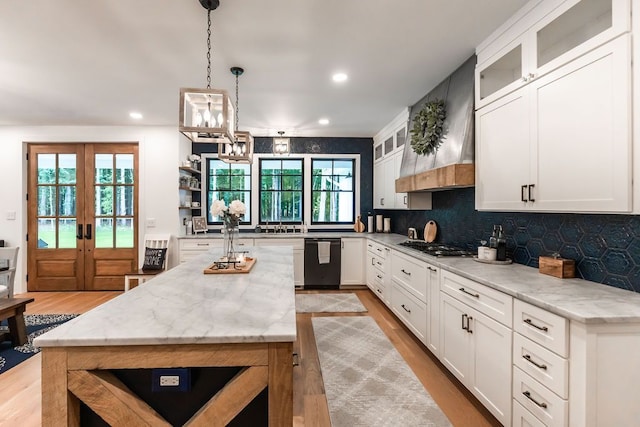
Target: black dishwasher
pixel 322 263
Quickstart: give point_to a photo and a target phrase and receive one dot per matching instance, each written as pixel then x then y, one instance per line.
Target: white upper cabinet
pixel 559 139
pixel 387 158
pixel 542 37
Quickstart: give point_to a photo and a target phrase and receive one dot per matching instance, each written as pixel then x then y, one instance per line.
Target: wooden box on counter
pixel 557 267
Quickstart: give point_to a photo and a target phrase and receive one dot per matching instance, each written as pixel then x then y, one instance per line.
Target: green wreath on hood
pixel 426 135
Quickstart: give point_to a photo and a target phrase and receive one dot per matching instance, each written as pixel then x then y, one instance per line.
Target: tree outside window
pixel 228 182
pixel 332 192
pixel 281 190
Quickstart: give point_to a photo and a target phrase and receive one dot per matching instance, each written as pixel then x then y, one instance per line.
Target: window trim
pixel 337 158
pixel 204 193
pixel 255 188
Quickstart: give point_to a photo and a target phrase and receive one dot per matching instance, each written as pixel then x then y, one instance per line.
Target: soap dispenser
pixel 501 242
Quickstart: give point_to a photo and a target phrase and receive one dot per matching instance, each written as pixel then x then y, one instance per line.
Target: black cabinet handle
pixel 464 316
pixel 531 186
pixel 527 357
pixel 379 291
pixel 79 234
pixel 469 293
pixel 405 308
pixel 408 273
pixel 469 319
pixel 541 328
pixel 432 269
pixel 528 396
pixel 87 235
pixel 522 190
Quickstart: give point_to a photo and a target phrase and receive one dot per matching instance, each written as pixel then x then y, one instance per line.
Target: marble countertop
pixel 185 306
pixel 575 299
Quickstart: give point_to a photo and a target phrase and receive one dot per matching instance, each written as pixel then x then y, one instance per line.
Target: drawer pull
pixel 528 396
pixel 373 261
pixel 408 273
pixel 378 262
pixel 405 308
pixel 432 269
pixel 541 328
pixel 533 362
pixel 379 276
pixel 469 293
pixel 379 291
pixel 378 249
pixel 464 316
pixel 469 319
pixel 202 244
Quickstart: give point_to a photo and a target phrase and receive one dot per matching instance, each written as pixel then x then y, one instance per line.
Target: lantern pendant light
pixel 207 115
pixel 240 150
pixel 281 145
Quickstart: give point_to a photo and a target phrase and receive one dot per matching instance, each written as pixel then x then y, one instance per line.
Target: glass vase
pixel 230 240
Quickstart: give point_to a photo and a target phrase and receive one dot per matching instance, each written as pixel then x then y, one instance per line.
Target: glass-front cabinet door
pixel 500 75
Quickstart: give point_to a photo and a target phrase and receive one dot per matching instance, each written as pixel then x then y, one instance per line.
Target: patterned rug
pixel 37 324
pixel 366 381
pixel 329 303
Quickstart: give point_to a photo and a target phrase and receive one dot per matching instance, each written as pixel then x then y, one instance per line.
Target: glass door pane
pixel 504 71
pixel 114 200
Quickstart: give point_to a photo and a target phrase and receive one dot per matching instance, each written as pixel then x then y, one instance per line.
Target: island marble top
pixel 185 306
pixel 575 299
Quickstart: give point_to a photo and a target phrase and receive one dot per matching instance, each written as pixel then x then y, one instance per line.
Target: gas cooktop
pixel 436 249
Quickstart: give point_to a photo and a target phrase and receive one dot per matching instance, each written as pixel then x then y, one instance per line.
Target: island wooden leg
pixel 59 407
pixel 280 384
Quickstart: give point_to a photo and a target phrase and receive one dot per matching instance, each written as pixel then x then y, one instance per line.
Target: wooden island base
pixel 84 373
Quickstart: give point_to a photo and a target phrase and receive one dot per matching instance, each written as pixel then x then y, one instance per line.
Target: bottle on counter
pixel 493 240
pixel 501 242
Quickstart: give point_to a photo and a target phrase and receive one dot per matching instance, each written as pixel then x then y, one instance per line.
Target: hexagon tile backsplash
pixel 606 247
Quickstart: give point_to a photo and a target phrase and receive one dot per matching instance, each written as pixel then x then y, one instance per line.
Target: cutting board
pixel 430 231
pixel 358 226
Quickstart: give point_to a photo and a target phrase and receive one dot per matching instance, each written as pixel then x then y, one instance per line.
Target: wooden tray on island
pixel 249 262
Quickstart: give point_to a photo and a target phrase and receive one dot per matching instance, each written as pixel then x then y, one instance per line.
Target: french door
pixel 82 216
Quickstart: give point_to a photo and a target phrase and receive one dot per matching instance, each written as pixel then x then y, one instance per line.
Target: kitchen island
pixel 179 319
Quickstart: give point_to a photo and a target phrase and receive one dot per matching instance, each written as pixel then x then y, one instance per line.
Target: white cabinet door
pixel 455 342
pixel 433 309
pixel 401 199
pixel 378 185
pixel 502 153
pixel 491 364
pixel 583 133
pixel 352 262
pixel 389 196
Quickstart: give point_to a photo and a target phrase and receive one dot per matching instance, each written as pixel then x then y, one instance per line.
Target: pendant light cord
pixel 237 103
pixel 208 48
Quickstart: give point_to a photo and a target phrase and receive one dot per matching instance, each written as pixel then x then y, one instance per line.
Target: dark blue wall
pixel 362 146
pixel 606 247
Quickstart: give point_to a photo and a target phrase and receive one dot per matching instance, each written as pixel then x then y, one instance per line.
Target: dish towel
pixel 324 252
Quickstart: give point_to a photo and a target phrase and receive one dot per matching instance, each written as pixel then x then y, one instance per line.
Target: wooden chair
pixel 151 241
pixel 8 276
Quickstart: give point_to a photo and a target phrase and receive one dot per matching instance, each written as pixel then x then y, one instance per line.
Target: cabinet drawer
pixel 540 326
pixel 539 400
pixel 495 304
pixel 378 287
pixel 412 312
pixel 410 273
pixel 377 262
pixel 296 243
pixel 548 368
pixel 524 418
pixel 199 244
pixel 377 249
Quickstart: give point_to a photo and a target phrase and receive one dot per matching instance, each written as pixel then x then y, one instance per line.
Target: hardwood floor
pixel 20 387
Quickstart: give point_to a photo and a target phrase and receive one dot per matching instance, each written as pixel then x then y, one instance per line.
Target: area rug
pixel 366 381
pixel 329 303
pixel 37 324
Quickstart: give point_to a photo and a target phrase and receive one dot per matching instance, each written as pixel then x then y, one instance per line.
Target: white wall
pixel 161 150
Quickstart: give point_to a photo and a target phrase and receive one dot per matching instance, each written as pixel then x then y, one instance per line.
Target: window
pixel 281 190
pixel 332 192
pixel 228 182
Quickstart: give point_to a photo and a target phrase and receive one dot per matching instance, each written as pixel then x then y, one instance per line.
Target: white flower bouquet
pixel 230 214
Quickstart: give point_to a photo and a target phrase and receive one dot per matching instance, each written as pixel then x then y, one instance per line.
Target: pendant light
pixel 240 150
pixel 207 115
pixel 281 145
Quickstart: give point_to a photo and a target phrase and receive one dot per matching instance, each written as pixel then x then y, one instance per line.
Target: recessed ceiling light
pixel 340 77
pixel 323 121
pixel 135 115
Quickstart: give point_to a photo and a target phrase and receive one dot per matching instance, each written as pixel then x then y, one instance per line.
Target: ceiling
pixel 70 62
